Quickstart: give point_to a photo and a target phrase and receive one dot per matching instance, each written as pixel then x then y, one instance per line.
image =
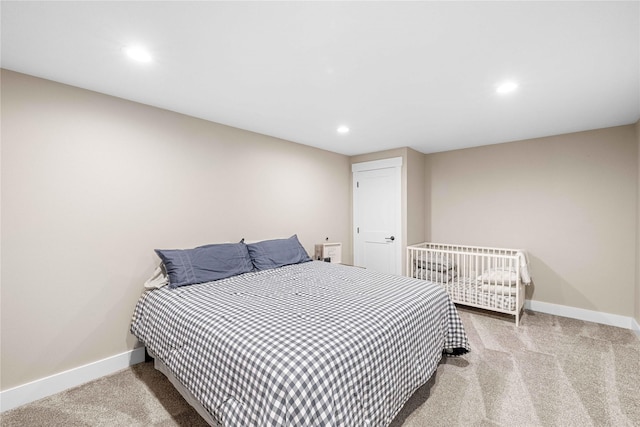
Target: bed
pixel 303 344
pixel 488 278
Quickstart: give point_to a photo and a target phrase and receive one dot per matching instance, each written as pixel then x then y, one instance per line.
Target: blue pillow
pixel 205 263
pixel 276 253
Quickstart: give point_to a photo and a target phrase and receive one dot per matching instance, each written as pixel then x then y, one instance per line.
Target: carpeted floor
pixel 551 371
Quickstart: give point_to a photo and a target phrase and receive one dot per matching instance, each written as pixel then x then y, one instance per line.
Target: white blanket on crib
pixel 524 267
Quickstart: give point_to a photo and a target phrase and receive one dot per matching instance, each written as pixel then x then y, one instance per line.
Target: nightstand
pixel 333 251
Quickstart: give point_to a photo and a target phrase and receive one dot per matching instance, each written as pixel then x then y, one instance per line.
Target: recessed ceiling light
pixel 506 87
pixel 343 129
pixel 138 53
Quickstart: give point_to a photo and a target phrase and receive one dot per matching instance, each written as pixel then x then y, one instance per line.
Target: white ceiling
pixel 416 74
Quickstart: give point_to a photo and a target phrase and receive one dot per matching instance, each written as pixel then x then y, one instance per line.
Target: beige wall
pixel 570 200
pixel 91 184
pixel 416 196
pixel 637 294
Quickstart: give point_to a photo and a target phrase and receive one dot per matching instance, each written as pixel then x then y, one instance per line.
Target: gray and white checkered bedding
pixel 312 344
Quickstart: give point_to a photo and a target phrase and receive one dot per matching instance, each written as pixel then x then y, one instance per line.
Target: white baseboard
pixel 635 326
pixel 53 384
pixel 582 314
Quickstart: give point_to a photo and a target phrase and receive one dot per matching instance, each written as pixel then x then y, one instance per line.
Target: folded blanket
pixel 435 276
pixel 437 262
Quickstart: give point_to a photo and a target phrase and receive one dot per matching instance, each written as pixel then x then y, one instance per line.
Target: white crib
pixel 488 278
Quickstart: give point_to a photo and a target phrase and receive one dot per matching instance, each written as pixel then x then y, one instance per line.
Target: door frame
pixel 393 162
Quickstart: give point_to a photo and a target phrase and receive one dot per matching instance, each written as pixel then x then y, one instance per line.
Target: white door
pixel 377 215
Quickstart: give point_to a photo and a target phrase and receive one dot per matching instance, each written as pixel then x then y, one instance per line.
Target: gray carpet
pixel 551 371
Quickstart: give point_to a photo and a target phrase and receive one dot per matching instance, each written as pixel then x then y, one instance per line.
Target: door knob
pixel 392 238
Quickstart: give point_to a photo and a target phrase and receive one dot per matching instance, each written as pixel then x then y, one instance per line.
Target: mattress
pixel 302 345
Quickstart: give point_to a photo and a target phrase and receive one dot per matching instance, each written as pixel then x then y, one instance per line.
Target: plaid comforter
pixel 312 344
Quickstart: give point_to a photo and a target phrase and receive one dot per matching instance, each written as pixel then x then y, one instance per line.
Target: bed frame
pixel 487 278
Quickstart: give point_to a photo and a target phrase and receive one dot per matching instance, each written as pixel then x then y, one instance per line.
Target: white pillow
pixel 499 276
pixel 158 279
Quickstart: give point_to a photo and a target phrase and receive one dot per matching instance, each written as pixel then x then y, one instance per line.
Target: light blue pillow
pixel 205 263
pixel 270 254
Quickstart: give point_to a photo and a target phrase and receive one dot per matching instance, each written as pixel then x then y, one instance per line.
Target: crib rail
pixel 484 277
